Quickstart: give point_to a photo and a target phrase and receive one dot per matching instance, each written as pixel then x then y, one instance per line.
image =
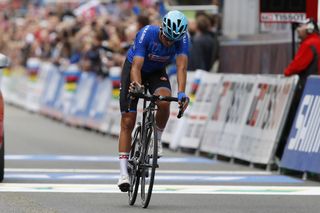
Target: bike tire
pixel 150 164
pixel 133 170
pixel 2 159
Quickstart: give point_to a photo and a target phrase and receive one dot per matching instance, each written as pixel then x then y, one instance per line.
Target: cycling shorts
pixel 154 80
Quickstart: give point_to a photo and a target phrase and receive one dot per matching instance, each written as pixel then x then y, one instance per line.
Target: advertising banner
pixel 281 97
pixel 37 72
pixel 18 87
pixel 111 124
pixel 240 94
pixel 256 119
pixel 71 75
pixel 53 87
pixel 205 95
pixel 175 126
pixel 227 114
pixel 82 99
pixel 264 121
pixel 6 81
pixel 302 151
pixel 100 102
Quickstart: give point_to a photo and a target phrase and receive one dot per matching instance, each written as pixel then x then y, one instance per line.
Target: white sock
pixel 123 158
pixel 159 133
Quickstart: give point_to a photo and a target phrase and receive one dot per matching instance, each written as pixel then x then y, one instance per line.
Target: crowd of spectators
pixel 95 39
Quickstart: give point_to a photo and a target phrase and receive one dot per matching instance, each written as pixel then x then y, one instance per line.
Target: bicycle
pixel 140 161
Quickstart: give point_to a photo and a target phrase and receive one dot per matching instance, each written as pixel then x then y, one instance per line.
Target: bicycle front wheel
pixel 148 168
pixel 133 167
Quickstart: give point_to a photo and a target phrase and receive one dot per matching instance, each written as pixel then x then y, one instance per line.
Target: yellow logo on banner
pixel 33 78
pixel 71 87
pixel 116 93
pixel 6 72
pixel 192 98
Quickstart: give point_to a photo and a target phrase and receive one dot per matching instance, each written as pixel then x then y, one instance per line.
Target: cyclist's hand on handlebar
pixel 183 101
pixel 135 87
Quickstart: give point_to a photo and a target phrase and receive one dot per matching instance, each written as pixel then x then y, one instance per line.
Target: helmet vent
pixel 179 22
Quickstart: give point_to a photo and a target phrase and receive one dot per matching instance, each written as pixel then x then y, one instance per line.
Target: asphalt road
pixel 51 167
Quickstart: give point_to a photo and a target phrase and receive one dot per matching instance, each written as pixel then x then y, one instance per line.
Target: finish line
pixel 161 189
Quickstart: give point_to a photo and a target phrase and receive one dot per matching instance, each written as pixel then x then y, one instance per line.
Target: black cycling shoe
pixel 124 183
pixel 124 187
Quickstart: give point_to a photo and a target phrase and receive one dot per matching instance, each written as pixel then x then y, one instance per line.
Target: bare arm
pixel 135 74
pixel 182 63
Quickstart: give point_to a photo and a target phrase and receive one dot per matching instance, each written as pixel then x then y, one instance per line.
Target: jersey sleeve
pixel 301 61
pixel 141 42
pixel 183 46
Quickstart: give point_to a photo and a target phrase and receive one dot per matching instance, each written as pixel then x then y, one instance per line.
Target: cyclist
pixel 154 47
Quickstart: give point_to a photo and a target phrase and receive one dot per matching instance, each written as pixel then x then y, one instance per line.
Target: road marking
pixel 91 158
pixel 159 171
pixel 161 189
pixel 164 176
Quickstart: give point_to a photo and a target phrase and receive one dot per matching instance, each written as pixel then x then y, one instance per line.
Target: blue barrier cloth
pixel 100 99
pixel 84 94
pixel 302 150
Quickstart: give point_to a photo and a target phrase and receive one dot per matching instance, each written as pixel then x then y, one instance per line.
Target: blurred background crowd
pixel 95 35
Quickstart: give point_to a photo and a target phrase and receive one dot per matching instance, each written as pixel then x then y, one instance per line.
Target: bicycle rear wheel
pixel 149 166
pixel 133 169
pixel 2 159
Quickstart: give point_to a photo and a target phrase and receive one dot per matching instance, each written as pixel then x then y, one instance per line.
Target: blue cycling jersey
pixel 156 56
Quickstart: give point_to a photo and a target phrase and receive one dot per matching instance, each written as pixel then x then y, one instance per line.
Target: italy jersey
pixel 156 56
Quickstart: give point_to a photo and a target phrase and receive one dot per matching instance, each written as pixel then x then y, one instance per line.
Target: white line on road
pixel 102 158
pixel 161 189
pixel 29 170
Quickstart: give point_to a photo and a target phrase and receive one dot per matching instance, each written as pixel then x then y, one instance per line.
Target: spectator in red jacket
pixel 306 61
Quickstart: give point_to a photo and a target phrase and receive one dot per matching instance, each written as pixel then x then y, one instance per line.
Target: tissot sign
pixel 286 11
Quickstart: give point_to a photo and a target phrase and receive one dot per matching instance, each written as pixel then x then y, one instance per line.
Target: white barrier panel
pixel 36 83
pixel 215 126
pixel 197 117
pixel 228 114
pixel 53 87
pixel 111 123
pixel 6 82
pixel 240 93
pixel 66 97
pixel 238 116
pixel 174 125
pixel 18 87
pixel 249 116
pixel 282 96
pixel 264 122
pixel 82 99
pixel 100 102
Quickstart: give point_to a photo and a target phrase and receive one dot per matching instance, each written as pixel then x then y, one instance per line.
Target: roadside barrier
pixel 203 96
pixel 111 123
pixel 238 116
pixel 228 115
pixel 100 102
pixel 82 100
pixel 54 85
pixel 175 126
pixel 302 152
pixel 265 120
